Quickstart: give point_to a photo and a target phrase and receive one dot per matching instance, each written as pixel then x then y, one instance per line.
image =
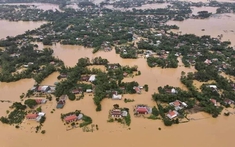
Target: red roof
pixel 39 101
pixel 76 91
pixel 70 118
pixel 142 109
pixel 116 112
pixel 172 113
pixel 32 116
pixel 115 92
pixel 85 78
pixel 213 101
pixel 61 102
pixel 125 74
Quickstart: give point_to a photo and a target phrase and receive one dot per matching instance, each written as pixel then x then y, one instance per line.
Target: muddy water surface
pixel 215 25
pixel 15 28
pixel 209 9
pixel 56 134
pixel 12 91
pixel 43 6
pixel 213 132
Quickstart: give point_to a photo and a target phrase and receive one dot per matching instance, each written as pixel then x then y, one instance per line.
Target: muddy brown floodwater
pixel 10 28
pixel 142 131
pixel 43 6
pixel 203 130
pixel 215 25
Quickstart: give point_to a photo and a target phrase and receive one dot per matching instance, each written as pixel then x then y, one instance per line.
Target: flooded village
pixel 143 79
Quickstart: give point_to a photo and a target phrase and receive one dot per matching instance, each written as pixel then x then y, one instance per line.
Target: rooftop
pixel 70 117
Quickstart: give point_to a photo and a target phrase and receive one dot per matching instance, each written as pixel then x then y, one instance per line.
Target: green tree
pixel 31 103
pixel 155 111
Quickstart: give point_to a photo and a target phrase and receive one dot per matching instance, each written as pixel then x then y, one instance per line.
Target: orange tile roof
pixel 171 113
pixel 176 103
pixel 32 116
pixel 70 118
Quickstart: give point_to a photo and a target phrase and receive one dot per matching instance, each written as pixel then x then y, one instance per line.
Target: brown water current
pixel 15 28
pixel 215 25
pixel 209 9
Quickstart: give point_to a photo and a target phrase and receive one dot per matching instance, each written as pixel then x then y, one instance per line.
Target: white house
pixel 92 78
pixel 43 88
pixel 89 90
pixel 80 116
pixel 212 86
pixel 116 96
pixel 40 115
pixel 173 91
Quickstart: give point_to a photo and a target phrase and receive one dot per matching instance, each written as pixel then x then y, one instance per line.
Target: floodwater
pixel 56 131
pixel 195 10
pixel 153 76
pixel 43 6
pixel 213 132
pixel 143 7
pixel 10 28
pixel 12 91
pixel 215 25
pixel 51 79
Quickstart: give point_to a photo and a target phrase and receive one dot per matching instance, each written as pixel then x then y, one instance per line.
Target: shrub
pixel 43 131
pixel 17 127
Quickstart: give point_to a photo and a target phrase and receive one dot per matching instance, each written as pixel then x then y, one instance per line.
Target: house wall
pixel 117 116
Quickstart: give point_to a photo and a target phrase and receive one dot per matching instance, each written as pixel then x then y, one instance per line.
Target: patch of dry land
pixel 142 131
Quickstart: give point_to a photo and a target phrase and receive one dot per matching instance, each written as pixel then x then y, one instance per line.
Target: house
pixel 32 116
pixel 52 89
pixel 116 113
pixel 125 74
pixel 62 76
pixel 214 102
pixel 40 115
pixel 92 78
pixel 212 86
pixel 116 96
pixel 207 61
pixel 63 97
pixel 173 91
pixel 52 63
pixel 89 90
pixel 178 105
pixel 43 88
pixel 41 101
pixel 80 116
pixel 70 118
pixel 137 89
pixel 85 78
pixel 172 114
pixel 141 109
pixel 77 91
pixel 228 101
pixel 113 66
pixel 60 104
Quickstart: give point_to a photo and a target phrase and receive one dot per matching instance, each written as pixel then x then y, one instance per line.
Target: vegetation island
pixel 133 34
